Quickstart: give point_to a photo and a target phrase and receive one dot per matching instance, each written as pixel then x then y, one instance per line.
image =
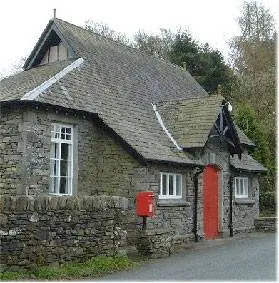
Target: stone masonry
pixel 52 230
pixel 103 166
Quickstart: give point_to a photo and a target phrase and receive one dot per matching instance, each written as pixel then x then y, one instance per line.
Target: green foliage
pixel 76 270
pixel 253 94
pixel 248 122
pixel 205 64
pixel 267 203
pixel 9 276
pixel 253 127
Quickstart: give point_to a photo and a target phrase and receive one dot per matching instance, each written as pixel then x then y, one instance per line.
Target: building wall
pixel 244 211
pixel 10 153
pixel 174 215
pixel 103 166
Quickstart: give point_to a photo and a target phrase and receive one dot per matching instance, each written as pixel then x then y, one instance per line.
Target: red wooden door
pixel 210 197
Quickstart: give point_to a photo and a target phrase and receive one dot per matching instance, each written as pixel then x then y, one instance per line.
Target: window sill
pixel 172 203
pixel 62 195
pixel 244 201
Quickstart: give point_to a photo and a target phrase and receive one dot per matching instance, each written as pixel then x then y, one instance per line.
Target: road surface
pixel 243 258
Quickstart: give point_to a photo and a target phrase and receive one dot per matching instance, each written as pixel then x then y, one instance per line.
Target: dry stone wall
pixel 52 230
pixel 266 224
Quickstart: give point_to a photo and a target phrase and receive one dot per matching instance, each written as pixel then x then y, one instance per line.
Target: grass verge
pixel 94 267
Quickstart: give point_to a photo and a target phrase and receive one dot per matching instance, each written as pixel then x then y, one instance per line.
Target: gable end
pixel 50 37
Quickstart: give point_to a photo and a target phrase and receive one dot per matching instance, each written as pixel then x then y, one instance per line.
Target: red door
pixel 210 197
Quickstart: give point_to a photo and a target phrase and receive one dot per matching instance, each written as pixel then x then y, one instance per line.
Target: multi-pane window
pixel 61 159
pixel 170 185
pixel 241 187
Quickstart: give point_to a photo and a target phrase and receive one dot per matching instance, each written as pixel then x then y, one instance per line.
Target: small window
pixel 241 187
pixel 61 159
pixel 55 53
pixel 170 185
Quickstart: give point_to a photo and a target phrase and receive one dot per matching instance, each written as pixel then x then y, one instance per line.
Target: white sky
pixel 212 21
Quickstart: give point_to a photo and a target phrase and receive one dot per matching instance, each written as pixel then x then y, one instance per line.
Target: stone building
pixel 90 116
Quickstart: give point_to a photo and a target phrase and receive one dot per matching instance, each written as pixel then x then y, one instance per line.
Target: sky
pixel 211 21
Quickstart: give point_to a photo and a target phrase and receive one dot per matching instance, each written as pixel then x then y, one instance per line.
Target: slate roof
pixel 14 87
pixel 246 163
pixel 115 82
pixel 243 138
pixel 119 84
pixel 190 120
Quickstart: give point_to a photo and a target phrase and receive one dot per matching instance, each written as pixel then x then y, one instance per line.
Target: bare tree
pixel 158 45
pixel 105 31
pixel 254 50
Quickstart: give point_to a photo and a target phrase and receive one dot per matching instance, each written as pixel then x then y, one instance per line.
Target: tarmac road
pixel 252 257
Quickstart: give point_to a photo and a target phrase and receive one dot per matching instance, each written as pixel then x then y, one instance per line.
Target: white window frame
pixel 167 195
pixel 59 138
pixel 241 187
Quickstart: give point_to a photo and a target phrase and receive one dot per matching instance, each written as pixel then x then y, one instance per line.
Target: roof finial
pixel 54 13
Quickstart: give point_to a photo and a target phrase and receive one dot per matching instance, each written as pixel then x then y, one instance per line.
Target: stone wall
pixel 9 154
pixel 101 164
pixel 221 159
pixel 266 224
pixel 52 230
pixel 173 215
pixel 244 210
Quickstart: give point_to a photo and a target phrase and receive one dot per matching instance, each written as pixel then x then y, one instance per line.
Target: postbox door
pixel 145 204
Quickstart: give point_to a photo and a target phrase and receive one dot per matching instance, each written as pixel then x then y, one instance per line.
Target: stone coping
pixel 173 203
pixel 244 201
pixel 54 202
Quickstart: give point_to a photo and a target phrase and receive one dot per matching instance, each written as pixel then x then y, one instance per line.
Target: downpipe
pixel 231 206
pixel 196 188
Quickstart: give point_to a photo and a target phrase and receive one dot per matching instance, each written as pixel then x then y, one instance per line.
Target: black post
pixel 231 206
pixel 143 223
pixel 196 188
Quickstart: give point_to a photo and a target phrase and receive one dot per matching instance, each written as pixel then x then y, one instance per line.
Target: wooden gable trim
pixel 29 63
pixel 227 130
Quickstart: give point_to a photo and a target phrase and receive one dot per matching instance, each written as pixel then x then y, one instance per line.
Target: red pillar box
pixel 145 204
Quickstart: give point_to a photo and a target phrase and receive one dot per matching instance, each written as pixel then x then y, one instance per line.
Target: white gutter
pixel 158 116
pixel 34 93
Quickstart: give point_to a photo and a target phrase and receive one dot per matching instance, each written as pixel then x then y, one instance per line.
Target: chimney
pixel 184 64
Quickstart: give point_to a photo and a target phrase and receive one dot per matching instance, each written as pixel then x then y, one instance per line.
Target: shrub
pixel 268 203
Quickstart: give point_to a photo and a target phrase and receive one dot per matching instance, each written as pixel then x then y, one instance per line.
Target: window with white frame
pixel 241 187
pixel 61 159
pixel 170 185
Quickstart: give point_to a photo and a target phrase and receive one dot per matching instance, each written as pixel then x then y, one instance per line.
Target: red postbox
pixel 145 204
